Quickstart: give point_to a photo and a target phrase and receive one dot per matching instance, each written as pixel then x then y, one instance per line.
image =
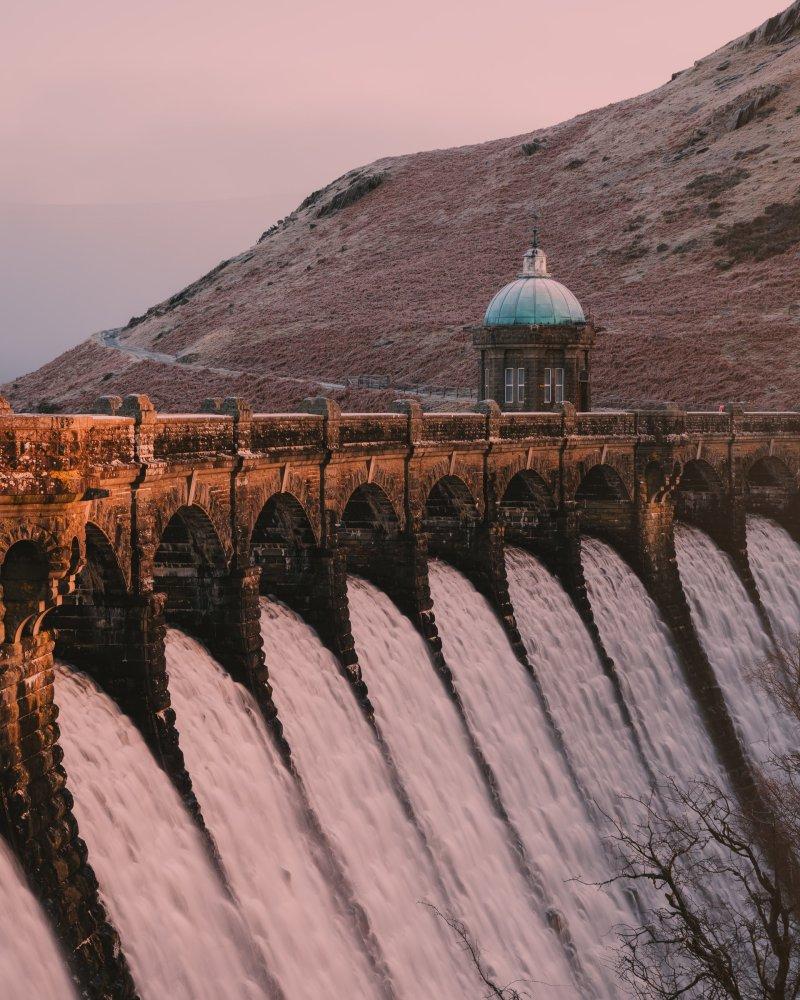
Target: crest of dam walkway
pixel 118 523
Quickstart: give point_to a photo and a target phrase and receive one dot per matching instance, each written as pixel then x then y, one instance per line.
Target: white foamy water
pixel 31 966
pixel 732 636
pixel 351 790
pixel 535 784
pixel 775 562
pixel 250 802
pixel 472 845
pixel 179 931
pixel 581 696
pixel 650 672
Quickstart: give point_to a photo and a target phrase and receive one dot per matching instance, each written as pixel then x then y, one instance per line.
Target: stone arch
pixel 602 484
pixel 369 508
pixel 369 529
pixel 700 492
pixel 526 507
pixel 188 562
pixel 769 471
pixel 443 469
pixel 528 486
pixel 545 467
pixel 699 476
pixel 101 572
pixel 350 481
pixel 25 582
pixel 451 516
pixel 50 539
pixel 209 518
pixel 605 504
pixel 282 544
pixel 770 486
pixel 113 522
pixel 99 582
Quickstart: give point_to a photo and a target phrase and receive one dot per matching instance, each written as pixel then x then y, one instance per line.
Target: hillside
pixel 674 217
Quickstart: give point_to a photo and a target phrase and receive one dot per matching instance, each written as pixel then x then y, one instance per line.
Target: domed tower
pixel 535 342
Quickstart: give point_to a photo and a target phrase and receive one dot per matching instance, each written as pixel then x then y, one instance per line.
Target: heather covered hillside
pixel 674 217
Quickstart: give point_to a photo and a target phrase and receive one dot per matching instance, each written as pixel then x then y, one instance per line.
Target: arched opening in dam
pixel 282 545
pixel 770 486
pixel 369 535
pixel 451 517
pixel 187 563
pixel 604 501
pixel 699 493
pixel 602 484
pixel 526 506
pixel 368 522
pixel 100 592
pixel 24 578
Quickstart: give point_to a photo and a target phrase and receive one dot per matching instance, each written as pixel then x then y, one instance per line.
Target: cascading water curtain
pixel 352 791
pixel 559 833
pixel 650 672
pixel 733 638
pixel 31 966
pixel 180 932
pixel 276 866
pixel 472 845
pixel 775 562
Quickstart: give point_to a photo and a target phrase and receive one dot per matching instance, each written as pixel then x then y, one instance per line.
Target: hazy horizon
pixel 150 143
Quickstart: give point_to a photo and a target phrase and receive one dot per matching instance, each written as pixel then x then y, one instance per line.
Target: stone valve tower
pixel 535 342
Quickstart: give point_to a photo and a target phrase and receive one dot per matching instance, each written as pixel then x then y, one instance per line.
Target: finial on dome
pixel 534 263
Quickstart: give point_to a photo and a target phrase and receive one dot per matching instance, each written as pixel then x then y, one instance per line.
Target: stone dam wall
pixel 117 523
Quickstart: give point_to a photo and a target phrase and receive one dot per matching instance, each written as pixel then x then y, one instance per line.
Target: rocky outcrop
pixel 780 28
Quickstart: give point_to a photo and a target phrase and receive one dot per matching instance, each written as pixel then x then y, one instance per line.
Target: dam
pixel 271 683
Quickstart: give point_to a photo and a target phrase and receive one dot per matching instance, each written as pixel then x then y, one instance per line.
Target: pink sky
pixel 165 100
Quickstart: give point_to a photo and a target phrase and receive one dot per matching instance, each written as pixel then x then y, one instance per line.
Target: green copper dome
pixel 534 298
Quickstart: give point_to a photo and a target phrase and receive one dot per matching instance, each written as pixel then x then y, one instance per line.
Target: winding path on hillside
pixel 110 339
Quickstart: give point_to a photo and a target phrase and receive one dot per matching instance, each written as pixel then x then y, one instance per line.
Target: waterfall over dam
pixel 733 636
pixel 152 863
pixel 775 562
pixel 489 807
pixel 651 678
pixel 30 963
pixel 296 706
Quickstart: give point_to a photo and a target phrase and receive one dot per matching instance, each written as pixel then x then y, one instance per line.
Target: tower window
pixel 559 385
pixel 509 385
pixel 520 385
pixel 548 385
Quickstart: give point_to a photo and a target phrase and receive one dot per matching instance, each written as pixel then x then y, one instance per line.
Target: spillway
pixel 351 789
pixel 468 837
pixel 775 562
pixel 509 721
pixel 650 672
pixel 732 636
pixel 489 805
pixel 179 930
pixel 581 697
pixel 274 862
pixel 30 963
